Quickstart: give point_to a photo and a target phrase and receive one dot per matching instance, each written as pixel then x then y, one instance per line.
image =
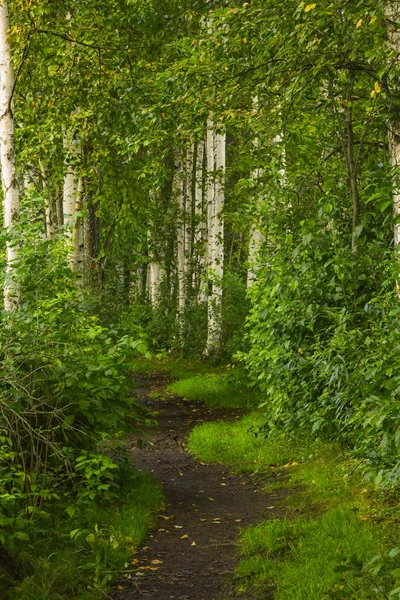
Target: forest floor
pixel 193 552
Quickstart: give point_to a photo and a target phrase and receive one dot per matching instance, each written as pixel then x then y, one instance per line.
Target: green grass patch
pixel 176 368
pixel 344 523
pixel 218 390
pixel 234 443
pixel 88 551
pixel 313 559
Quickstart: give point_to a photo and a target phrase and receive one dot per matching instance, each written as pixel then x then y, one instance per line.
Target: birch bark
pixel 49 210
pixel 256 236
pixel 179 193
pixel 7 156
pixel 216 149
pixel 72 200
pixel 200 221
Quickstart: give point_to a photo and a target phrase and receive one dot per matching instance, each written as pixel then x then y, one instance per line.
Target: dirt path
pixel 193 552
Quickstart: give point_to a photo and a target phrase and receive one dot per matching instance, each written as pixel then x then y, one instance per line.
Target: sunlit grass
pixel 216 390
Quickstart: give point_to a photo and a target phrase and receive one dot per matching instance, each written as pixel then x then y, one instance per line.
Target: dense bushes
pixel 64 391
pixel 324 345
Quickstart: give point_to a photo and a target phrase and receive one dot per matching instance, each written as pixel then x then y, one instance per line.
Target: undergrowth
pixel 340 534
pixel 88 549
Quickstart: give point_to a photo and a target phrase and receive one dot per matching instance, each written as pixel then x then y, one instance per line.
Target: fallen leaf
pixel 238 520
pixel 156 562
pixel 184 537
pixel 203 520
pixel 193 544
pixel 120 587
pixel 212 499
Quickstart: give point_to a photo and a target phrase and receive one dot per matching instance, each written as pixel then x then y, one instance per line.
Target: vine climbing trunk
pixel 7 156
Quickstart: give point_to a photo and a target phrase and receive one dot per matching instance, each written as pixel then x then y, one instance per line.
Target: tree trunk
pixel 49 210
pixel 72 199
pixel 90 244
pixel 352 168
pixel 256 236
pixel 216 145
pixel 393 19
pixel 178 190
pixel 7 156
pixel 200 220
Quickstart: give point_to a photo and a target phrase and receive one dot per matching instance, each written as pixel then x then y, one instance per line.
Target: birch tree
pixel 8 168
pixel 216 148
pixel 72 201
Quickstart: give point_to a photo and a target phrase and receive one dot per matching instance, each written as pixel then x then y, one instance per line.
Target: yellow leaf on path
pixel 120 587
pixel 309 7
pixel 203 520
pixel 359 23
pixel 377 87
pixel 193 544
pixel 212 499
pixel 184 537
pixel 164 517
pixel 373 19
pixel 156 562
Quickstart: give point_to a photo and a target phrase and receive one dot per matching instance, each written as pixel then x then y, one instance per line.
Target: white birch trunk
pixel 7 156
pixel 392 11
pixel 200 233
pixel 256 236
pixel 77 232
pixel 156 274
pixel 49 211
pixel 216 149
pixel 188 216
pixel 179 193
pixel 71 199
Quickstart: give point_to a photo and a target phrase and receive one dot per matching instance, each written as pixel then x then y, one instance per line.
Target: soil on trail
pixel 193 551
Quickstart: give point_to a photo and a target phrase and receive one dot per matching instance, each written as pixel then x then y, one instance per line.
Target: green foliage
pixel 64 393
pixel 85 549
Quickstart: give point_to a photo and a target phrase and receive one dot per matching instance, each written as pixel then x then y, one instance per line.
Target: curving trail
pixel 193 552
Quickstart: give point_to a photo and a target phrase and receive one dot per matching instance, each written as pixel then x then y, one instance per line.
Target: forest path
pixel 193 552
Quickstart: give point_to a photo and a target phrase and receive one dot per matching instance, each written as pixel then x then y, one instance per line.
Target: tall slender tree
pixel 11 198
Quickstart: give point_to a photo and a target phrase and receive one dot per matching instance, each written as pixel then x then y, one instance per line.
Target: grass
pixel 302 559
pixel 177 368
pixel 336 522
pixel 217 390
pixel 84 566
